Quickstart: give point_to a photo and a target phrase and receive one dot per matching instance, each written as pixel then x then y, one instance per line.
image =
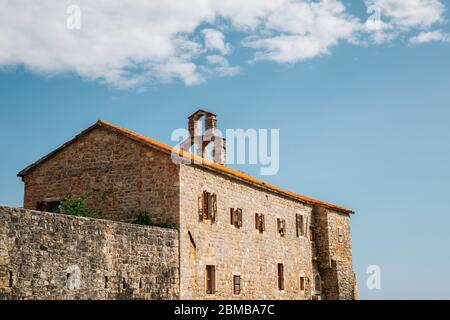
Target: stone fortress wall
pixel 54 256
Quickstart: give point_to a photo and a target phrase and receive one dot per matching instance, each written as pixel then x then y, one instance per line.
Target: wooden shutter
pixel 263 223
pixel 306 227
pixel 210 279
pixel 257 221
pixel 213 279
pixel 278 225
pixel 210 205
pixel 200 207
pixel 283 227
pixel 280 276
pixel 299 223
pixel 231 215
pixel 205 206
pixel 213 207
pixel 239 218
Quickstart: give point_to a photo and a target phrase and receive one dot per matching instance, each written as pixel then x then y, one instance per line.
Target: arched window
pixel 317 283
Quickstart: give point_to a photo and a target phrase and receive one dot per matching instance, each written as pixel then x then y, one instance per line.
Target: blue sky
pixel 364 125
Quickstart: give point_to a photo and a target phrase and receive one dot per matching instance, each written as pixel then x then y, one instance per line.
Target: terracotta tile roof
pixel 198 161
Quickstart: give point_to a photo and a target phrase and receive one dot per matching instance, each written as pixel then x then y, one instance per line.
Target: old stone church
pixel 236 237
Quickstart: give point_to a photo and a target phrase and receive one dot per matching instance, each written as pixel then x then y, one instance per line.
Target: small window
pixel 236 217
pixel 260 222
pixel 300 225
pixel 280 276
pixel 140 283
pixel 11 279
pixel 340 235
pixel 210 279
pixel 317 284
pixel 106 282
pixel 302 283
pixel 237 284
pixel 281 226
pixel 208 206
pixel 311 234
pixel 124 283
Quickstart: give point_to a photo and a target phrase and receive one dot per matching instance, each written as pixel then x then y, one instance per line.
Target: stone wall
pixel 120 177
pixel 245 251
pixel 52 256
pixel 335 256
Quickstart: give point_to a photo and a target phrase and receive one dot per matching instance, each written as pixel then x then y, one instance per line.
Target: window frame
pixel 210 278
pixel 239 285
pixel 280 277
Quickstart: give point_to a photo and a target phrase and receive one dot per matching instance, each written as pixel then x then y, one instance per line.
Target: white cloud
pixel 399 16
pixel 431 36
pixel 220 66
pixel 303 30
pixel 215 40
pixel 131 43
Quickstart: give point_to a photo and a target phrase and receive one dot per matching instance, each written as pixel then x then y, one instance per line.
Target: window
pixel 48 206
pixel 280 276
pixel 236 217
pixel 302 283
pixel 281 226
pixel 311 234
pixel 300 225
pixel 210 279
pixel 11 279
pixel 260 222
pixel 340 235
pixel 317 284
pixel 208 206
pixel 236 284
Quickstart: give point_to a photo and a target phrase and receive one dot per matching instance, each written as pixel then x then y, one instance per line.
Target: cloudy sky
pixel 133 43
pixel 358 89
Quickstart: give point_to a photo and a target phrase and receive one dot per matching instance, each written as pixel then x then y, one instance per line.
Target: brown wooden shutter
pixel 200 207
pixel 213 279
pixel 278 225
pixel 263 223
pixel 231 215
pixel 299 222
pixel 205 206
pixel 257 221
pixel 210 206
pixel 239 217
pixel 214 207
pixel 280 276
pixel 302 225
pixel 306 227
pixel 210 279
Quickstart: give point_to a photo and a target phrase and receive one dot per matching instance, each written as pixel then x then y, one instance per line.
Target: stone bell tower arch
pixel 199 141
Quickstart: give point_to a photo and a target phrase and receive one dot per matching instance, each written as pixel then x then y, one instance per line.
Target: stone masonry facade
pixel 52 256
pixel 284 246
pixel 119 177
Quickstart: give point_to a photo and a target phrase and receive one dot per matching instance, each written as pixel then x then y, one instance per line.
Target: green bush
pixel 143 218
pixel 74 206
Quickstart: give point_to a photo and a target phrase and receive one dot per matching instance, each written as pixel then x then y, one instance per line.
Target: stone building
pixel 237 237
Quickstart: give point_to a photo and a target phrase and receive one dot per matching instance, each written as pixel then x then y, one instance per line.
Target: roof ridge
pixel 219 167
